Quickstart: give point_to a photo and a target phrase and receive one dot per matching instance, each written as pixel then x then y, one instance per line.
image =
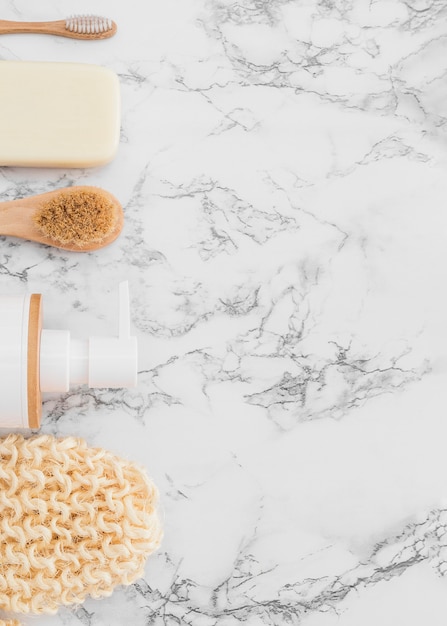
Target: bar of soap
pixel 58 114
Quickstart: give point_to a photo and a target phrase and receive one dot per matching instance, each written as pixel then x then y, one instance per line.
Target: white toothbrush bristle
pixel 88 24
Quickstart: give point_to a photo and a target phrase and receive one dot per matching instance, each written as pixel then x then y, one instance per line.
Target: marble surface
pixel 282 171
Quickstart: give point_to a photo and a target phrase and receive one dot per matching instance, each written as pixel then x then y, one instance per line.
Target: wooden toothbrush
pixel 76 27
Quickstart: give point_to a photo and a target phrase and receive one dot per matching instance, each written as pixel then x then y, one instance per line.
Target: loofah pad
pixel 74 522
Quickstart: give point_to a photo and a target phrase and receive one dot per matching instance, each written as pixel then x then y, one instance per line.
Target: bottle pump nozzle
pixel 97 361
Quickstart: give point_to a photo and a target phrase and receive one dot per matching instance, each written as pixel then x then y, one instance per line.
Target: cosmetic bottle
pixel 35 360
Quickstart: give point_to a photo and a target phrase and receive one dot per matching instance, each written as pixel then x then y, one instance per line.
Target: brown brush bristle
pixel 77 217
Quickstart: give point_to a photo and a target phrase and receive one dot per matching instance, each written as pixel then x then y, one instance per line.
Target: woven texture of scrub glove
pixel 75 522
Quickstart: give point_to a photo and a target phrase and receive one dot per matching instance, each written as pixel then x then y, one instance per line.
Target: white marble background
pixel 283 172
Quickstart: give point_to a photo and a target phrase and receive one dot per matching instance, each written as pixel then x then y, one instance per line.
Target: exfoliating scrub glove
pixel 75 522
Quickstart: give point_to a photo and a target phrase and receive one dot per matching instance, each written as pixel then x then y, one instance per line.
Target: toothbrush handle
pixel 48 28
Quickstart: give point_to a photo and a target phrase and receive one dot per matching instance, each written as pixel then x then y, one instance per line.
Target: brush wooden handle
pixel 57 27
pixel 16 218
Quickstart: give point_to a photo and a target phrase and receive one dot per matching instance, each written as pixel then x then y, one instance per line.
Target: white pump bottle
pixel 34 360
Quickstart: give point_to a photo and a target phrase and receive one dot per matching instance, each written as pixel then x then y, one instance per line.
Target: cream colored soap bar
pixel 58 114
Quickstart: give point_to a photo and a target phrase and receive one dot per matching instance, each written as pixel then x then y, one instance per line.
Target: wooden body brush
pixel 76 27
pixel 80 219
